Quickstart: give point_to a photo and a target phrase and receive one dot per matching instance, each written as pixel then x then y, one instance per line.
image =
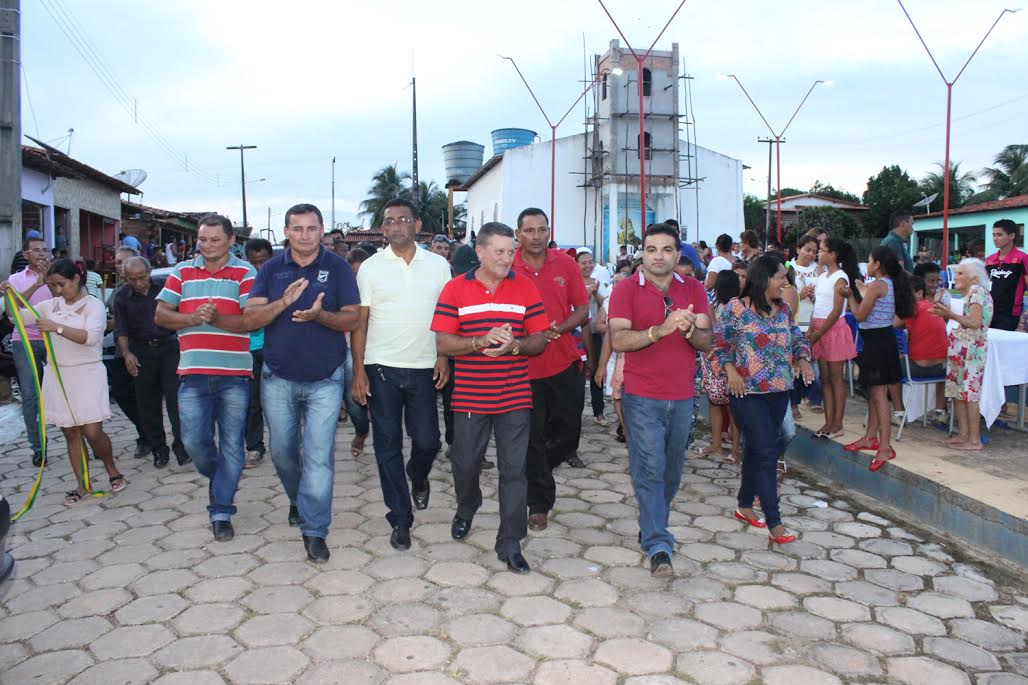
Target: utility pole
pixel 10 132
pixel 767 206
pixel 333 195
pixel 242 172
pixel 415 190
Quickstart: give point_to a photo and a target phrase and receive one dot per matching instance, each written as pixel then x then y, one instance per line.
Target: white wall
pixel 39 188
pixel 720 196
pixel 483 196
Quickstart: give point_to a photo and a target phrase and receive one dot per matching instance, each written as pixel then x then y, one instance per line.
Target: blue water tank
pixel 461 159
pixel 509 138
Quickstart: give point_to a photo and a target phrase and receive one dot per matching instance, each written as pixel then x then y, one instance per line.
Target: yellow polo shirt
pixel 401 300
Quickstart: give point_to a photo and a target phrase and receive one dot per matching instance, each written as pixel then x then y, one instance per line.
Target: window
pixel 647 82
pixel 603 87
pixel 647 146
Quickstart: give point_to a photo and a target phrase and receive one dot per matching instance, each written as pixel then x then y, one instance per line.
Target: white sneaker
pixel 897 418
pixel 600 420
pixel 253 458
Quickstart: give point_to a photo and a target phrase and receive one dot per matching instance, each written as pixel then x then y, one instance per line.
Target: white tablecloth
pixel 1006 363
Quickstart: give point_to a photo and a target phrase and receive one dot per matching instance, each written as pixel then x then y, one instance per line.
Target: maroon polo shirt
pixel 561 286
pixel 665 370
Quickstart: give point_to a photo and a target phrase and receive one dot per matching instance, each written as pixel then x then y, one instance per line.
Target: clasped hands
pixel 500 335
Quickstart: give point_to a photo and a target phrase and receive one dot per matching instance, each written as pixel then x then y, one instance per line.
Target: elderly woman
pixel 75 322
pixel 966 351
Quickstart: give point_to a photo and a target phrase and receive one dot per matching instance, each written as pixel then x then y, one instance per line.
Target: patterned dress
pixel 762 348
pixel 967 349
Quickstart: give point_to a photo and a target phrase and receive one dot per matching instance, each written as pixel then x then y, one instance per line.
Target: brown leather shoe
pixel 537 521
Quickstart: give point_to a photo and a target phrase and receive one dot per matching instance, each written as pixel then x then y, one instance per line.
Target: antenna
pixel 926 202
pixel 133 177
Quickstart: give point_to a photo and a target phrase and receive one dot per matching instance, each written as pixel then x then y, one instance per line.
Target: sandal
pixel 72 496
pixel 118 483
pixel 881 459
pixel 870 444
pixel 820 435
pixel 357 445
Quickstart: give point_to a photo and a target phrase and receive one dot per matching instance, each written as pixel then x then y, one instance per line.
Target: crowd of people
pixel 510 334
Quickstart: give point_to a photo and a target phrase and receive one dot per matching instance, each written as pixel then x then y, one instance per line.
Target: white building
pixel 597 173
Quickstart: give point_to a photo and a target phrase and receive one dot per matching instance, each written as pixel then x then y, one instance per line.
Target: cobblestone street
pixel 130 588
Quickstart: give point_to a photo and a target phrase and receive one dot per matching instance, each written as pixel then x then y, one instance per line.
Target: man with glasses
pixel 31 283
pixel 555 374
pixel 396 368
pixel 658 320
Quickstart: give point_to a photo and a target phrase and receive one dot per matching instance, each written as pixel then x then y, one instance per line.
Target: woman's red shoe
pixel 862 444
pixel 881 459
pixel 756 523
pixel 783 539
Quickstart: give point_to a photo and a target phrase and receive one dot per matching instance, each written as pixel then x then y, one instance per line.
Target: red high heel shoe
pixel 783 539
pixel 878 462
pixel 756 523
pixel 862 444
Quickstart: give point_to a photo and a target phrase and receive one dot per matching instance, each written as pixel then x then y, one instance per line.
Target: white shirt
pixel 824 294
pixel 804 277
pixel 169 252
pixel 401 298
pixel 718 264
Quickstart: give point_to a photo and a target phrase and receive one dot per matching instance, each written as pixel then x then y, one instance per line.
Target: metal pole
pixel 553 177
pixel 767 201
pixel 642 157
pixel 778 163
pixel 10 132
pixel 333 192
pixel 242 172
pixel 414 147
pixel 945 182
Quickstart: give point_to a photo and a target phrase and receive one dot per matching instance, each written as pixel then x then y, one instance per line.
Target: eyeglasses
pixel 668 304
pixel 403 221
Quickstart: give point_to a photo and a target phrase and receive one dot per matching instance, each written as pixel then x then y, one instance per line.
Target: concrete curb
pixel 928 502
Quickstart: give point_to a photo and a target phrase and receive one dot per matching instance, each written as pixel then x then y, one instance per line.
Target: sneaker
pixel 897 418
pixel 940 416
pixel 600 420
pixel 253 458
pixel 660 565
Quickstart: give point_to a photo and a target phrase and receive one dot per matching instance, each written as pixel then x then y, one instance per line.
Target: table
pixel 1006 364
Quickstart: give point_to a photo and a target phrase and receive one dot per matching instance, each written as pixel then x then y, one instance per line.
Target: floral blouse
pixel 762 348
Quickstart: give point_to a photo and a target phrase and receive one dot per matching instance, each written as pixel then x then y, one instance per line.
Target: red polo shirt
pixel 487 385
pixel 561 286
pixel 665 370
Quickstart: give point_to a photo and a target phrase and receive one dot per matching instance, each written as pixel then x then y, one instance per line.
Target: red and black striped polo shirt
pixel 487 385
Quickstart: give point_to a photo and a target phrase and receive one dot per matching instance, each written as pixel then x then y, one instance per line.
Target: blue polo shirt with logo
pixel 305 352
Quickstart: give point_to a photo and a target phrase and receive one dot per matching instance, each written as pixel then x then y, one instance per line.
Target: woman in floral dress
pixel 966 353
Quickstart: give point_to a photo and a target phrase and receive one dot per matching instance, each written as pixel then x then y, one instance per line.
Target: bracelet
pixel 688 333
pixel 474 343
pixel 517 348
pixel 649 334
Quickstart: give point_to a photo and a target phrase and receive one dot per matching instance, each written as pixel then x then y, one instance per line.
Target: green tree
pixel 961 185
pixel 833 220
pixel 889 190
pixel 386 184
pixel 433 205
pixel 828 190
pixel 1009 177
pixel 753 213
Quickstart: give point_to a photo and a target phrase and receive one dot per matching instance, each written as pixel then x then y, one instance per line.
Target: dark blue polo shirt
pixel 307 351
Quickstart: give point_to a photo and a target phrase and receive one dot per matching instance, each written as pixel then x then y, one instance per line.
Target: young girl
pixel 830 337
pixel 715 384
pixel 617 373
pixel 967 348
pixel 884 299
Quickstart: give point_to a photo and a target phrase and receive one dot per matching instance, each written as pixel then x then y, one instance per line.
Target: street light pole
pixel 642 148
pixel 949 103
pixel 333 192
pixel 242 172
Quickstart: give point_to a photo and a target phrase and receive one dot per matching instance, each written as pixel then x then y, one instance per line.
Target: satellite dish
pixel 927 201
pixel 133 177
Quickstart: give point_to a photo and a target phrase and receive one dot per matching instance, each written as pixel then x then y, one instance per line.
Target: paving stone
pixel 24 626
pixel 551 642
pixel 633 656
pixel 910 621
pixel 844 660
pixel 152 609
pixel 456 573
pixel 586 592
pixel 658 605
pixel 67 572
pixel 941 606
pixel 277 599
pixel 700 589
pixel 703 552
pixel 963 654
pixel 461 601
pixel 399 566
pixel 873 518
pixel 987 635
pixel 802 625
pixel 121 672
pixel 283 573
pixel 573 672
pixel 683 634
pixel 1011 615
pixel 343 673
pixel 40 597
pixel 921 670
pixel 894 580
pixel 412 653
pixel 715 668
pixel 51 667
pixel 829 570
pixel 858 530
pixel 729 615
pixel 70 633
pixel 801 583
pixel 514 584
pixel 197 652
pixel 163 582
pixel 764 597
pixel 338 609
pixel 857 558
pixel 394 620
pixel 340 582
pixel 758 647
pixel 838 610
pixel 767 561
pixel 131 641
pixel 828 539
pixel 273 629
pixel 118 575
pixel 965 588
pixel 269 665
pixel 878 638
pixel 11 655
pixel 613 556
pixel 867 593
pixel 534 611
pixel 338 642
pixel 920 566
pixel 423 678
pixel 202 619
pixel 1001 679
pixel 794 675
pixel 886 547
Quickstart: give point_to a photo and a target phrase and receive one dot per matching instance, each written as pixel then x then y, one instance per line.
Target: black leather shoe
pixel 37 460
pixel 160 458
pixel 660 565
pixel 460 527
pixel 182 458
pixel 420 489
pixel 400 539
pixel 516 563
pixel 223 531
pixel 317 550
pixel 486 465
pixel 294 517
pixel 575 462
pixel 142 450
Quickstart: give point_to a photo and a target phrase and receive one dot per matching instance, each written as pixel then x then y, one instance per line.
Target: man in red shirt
pixel 1008 270
pixel 557 393
pixel 489 320
pixel 658 320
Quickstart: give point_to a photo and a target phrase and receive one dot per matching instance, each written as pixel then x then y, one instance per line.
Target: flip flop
pixel 118 483
pixel 820 435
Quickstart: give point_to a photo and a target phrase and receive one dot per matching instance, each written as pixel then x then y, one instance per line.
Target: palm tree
pixel 386 184
pixel 961 185
pixel 1010 175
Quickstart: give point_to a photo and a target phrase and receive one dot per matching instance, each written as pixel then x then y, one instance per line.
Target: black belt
pixel 152 342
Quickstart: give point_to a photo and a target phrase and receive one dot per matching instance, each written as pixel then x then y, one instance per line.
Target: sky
pixel 308 80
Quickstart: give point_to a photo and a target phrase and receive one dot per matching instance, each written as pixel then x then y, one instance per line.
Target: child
pixel 617 373
pixel 888 296
pixel 715 385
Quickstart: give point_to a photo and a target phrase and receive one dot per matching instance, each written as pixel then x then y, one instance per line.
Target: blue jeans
pixel 402 397
pixel 760 418
pixel 786 432
pixel 27 385
pixel 358 414
pixel 304 413
pixel 658 436
pixel 209 403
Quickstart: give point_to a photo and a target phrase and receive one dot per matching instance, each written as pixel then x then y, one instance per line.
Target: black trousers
pixel 471 437
pixel 157 379
pixel 557 403
pixel 254 414
pixel 123 390
pixel 447 393
pixel 596 391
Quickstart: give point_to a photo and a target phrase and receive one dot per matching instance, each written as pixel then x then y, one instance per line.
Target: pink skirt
pixel 836 345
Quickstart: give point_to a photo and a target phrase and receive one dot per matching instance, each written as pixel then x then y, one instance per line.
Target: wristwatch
pixel 60 330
